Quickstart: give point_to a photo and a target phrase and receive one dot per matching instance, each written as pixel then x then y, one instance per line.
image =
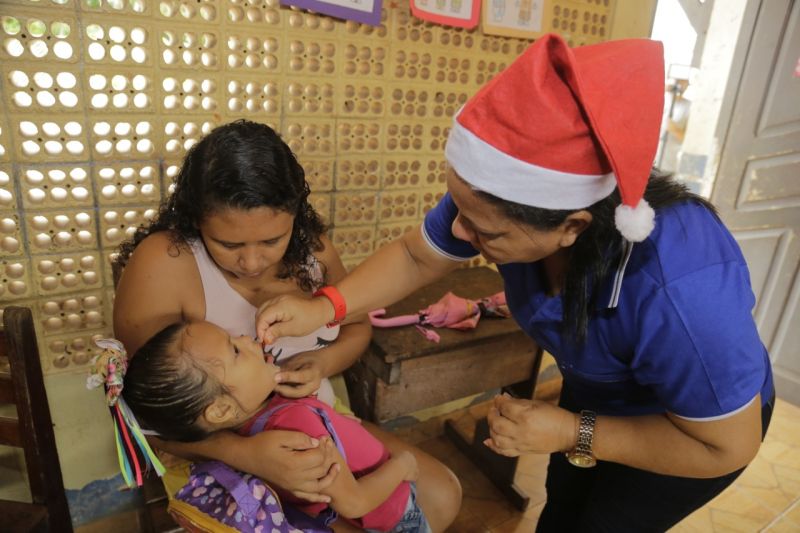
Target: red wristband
pixel 339 306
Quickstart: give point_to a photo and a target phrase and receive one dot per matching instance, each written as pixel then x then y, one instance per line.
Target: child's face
pixel 238 362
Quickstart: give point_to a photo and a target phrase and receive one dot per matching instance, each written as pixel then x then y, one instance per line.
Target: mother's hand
pixel 300 375
pixel 293 461
pixel 529 426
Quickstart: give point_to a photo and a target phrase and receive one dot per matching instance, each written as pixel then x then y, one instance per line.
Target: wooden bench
pixel 402 372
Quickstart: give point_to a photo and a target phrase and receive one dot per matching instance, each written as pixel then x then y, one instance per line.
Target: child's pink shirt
pixel 364 454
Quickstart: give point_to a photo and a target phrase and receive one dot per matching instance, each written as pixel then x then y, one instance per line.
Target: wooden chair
pixel 22 384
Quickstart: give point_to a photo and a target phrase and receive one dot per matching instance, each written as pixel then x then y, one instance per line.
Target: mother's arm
pixel 287 459
pixel 161 285
pixel 157 288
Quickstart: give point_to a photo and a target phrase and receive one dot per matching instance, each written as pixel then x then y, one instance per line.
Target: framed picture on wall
pixel 459 13
pixel 513 18
pixel 364 11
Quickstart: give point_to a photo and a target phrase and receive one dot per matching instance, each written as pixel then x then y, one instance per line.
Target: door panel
pixel 757 188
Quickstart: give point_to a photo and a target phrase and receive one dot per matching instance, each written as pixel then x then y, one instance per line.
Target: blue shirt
pixel 672 330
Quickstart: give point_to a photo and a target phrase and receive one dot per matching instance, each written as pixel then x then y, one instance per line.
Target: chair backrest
pixel 22 383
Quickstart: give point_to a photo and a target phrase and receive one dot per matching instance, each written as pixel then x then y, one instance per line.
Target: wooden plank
pixel 434 380
pixel 499 469
pixel 36 426
pixel 153 489
pixel 21 517
pixel 373 359
pixel 155 518
pixel 360 382
pixel 6 388
pixel 9 432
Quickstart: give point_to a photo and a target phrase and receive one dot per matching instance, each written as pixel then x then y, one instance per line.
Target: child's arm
pixel 354 498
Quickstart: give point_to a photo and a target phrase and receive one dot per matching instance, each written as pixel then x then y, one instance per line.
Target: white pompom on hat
pixel 560 128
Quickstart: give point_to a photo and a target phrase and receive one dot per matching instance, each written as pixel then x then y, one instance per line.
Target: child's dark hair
pixel 167 390
pixel 241 165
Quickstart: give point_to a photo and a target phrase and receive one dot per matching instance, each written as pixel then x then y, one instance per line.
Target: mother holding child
pixel 237 231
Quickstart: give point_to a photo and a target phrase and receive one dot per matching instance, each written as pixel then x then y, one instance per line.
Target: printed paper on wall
pixel 459 13
pixel 513 18
pixel 364 11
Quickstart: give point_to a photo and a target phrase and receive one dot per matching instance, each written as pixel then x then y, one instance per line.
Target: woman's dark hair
pixel 241 165
pixel 167 390
pixel 598 248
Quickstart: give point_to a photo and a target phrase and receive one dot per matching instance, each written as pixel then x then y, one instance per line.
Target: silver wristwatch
pixel 582 455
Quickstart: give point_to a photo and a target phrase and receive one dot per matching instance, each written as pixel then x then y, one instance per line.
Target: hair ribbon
pixel 135 456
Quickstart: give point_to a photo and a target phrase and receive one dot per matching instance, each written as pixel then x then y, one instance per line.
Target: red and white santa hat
pixel 560 128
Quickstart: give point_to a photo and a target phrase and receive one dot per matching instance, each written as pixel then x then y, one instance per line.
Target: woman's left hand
pixel 529 426
pixel 300 375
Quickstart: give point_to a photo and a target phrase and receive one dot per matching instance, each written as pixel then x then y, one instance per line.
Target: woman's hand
pixel 530 426
pixel 291 316
pixel 300 375
pixel 293 461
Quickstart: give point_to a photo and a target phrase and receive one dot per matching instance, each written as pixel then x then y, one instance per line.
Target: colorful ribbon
pixel 133 452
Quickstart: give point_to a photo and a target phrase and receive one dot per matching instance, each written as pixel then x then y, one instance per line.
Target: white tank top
pixel 232 312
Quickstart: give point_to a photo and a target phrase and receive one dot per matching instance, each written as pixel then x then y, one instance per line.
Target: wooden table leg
pixel 499 469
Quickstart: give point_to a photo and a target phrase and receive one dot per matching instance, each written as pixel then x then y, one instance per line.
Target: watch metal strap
pixel 586 432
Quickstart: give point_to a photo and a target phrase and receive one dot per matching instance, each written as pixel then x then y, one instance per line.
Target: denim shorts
pixel 413 520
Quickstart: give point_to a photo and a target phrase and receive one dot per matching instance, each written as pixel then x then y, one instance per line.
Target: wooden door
pixel 757 187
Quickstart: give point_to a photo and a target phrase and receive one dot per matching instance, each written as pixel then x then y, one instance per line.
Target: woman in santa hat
pixel 632 283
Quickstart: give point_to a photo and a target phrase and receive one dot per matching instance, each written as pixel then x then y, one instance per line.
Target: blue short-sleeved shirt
pixel 672 331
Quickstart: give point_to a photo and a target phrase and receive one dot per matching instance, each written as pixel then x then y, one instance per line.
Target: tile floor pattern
pixel 766 497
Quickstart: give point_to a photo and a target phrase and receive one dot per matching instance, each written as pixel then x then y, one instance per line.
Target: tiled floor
pixel 765 498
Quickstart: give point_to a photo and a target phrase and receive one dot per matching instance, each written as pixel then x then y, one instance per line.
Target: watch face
pixel 581 460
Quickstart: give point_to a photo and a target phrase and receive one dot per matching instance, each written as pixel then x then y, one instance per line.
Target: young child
pixel 192 379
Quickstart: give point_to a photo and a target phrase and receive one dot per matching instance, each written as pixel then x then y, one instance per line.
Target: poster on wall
pixel 364 11
pixel 459 13
pixel 513 18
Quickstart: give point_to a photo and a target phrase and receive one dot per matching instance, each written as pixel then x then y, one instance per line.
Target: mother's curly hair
pixel 241 165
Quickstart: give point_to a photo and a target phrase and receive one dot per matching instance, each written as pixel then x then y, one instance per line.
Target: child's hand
pixel 300 376
pixel 410 462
